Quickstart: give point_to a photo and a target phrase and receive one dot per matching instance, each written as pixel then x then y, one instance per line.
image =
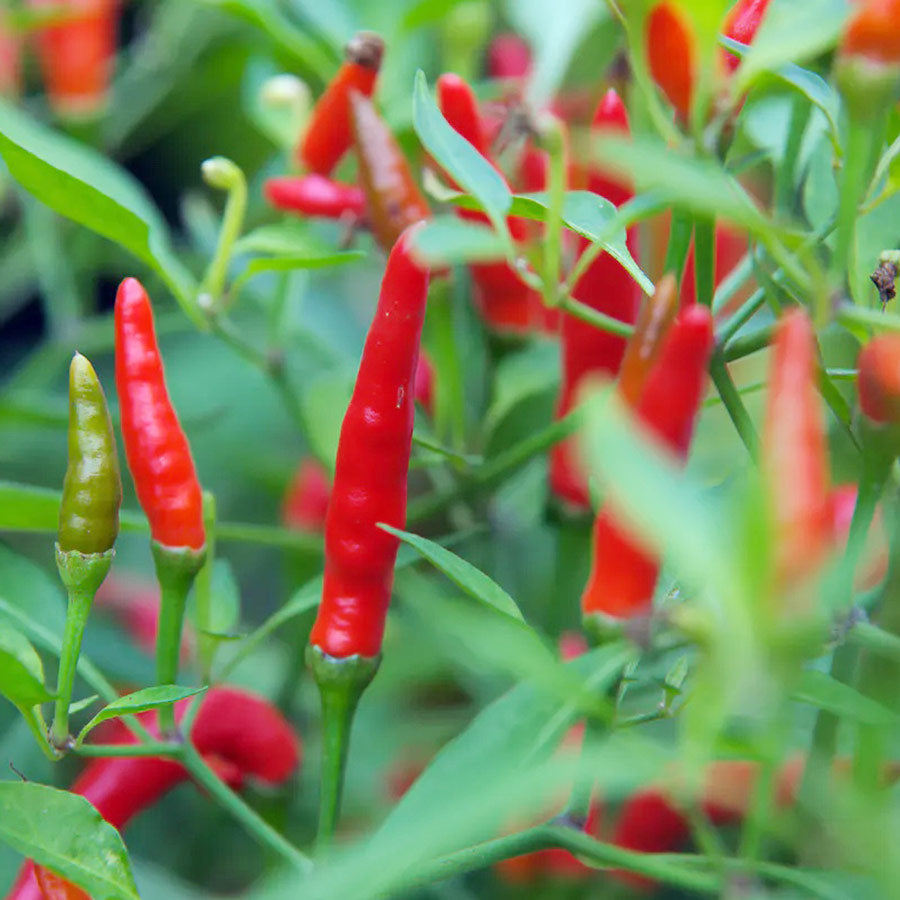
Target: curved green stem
pixel 705 260
pixel 554 143
pixel 206 643
pixel 734 405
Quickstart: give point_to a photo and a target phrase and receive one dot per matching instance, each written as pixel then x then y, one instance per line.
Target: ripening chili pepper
pixel 329 132
pixel 306 500
pixel 359 557
pixel 77 55
pixel 393 199
pixel 157 450
pixel 652 325
pixel 871 32
pixel 608 288
pixel 55 887
pixel 92 490
pixel 508 57
pixel 316 195
pixel 10 60
pixel 878 381
pixel 460 108
pixel 671 47
pixel 238 733
pixel 623 573
pixel 794 453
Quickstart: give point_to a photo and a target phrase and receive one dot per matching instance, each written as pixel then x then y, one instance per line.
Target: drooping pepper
pixel 77 56
pixel 506 303
pixel 88 521
pixel 369 487
pixel 623 572
pixel 608 288
pixel 238 733
pixel 329 132
pixel 393 199
pixel 316 195
pixel 162 469
pixel 794 454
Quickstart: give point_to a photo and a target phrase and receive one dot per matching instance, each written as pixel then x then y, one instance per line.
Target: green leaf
pixel 139 701
pixel 65 833
pixel 458 157
pixel 446 240
pixel 825 692
pixel 21 670
pixel 81 185
pixel 590 215
pixel 463 574
pixel 27 508
pixel 292 263
pixel 225 600
pixel 289 238
pixel 324 404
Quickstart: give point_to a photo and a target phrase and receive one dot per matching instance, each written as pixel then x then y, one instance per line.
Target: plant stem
pixel 206 644
pixel 741 316
pixel 554 144
pixel 148 748
pixel 79 606
pixel 734 405
pixel 749 343
pixel 801 110
pixel 596 318
pixel 679 243
pixel 249 818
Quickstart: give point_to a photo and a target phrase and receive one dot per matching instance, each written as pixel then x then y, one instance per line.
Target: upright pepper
pixel 369 487
pixel 162 468
pixel 329 132
pixel 238 733
pixel 623 572
pixel 393 199
pixel 316 195
pixel 88 521
pixel 77 56
pixel 794 457
pixel 607 287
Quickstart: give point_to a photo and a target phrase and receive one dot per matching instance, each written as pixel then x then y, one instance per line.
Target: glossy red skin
pixel 623 574
pixel 393 199
pixel 460 108
pixel 742 24
pixel 878 381
pixel 315 195
pixel 872 31
pixel 508 57
pixel 77 56
pixel 608 288
pixel 54 887
pixel 237 732
pixel 156 447
pixel 10 61
pixel 794 452
pixel 329 132
pixel 371 468
pixel 306 500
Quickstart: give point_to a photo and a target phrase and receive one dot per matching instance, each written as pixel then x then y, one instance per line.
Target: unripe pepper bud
pixel 92 491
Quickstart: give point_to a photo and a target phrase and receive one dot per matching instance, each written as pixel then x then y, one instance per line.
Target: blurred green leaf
pixel 324 404
pixel 80 184
pixel 825 692
pixel 64 832
pixel 458 157
pixel 138 702
pixel 225 600
pixel 291 263
pixel 462 573
pixel 288 238
pixel 24 507
pixel 447 240
pixel 21 670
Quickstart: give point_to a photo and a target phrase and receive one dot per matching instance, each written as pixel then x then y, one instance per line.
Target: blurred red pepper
pixel 878 381
pixel 872 32
pixel 77 55
pixel 874 564
pixel 305 502
pixel 316 195
pixel 623 573
pixel 423 385
pixel 10 60
pixel 329 132
pixel 238 733
pixel 508 56
pixel 55 887
pixel 608 288
pixel 794 454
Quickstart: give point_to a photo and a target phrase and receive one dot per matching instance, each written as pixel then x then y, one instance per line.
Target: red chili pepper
pixel 371 468
pixel 10 60
pixel 316 195
pixel 623 574
pixel 508 57
pixel 460 108
pixel 55 887
pixel 423 386
pixel 608 288
pixel 872 31
pixel 731 245
pixel 306 500
pixel 671 46
pixel 329 133
pixel 77 55
pixel 878 382
pixel 157 450
pixel 794 455
pixel 238 733
pixel 393 199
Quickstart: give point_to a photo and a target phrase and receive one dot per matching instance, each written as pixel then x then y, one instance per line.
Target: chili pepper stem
pixel 82 574
pixel 176 568
pixel 554 143
pixel 341 683
pixel 206 643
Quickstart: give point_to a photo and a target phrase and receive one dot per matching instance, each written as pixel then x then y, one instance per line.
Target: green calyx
pixel 92 490
pixel 868 86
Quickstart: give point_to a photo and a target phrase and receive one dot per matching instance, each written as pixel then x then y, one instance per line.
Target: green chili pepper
pixel 92 491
